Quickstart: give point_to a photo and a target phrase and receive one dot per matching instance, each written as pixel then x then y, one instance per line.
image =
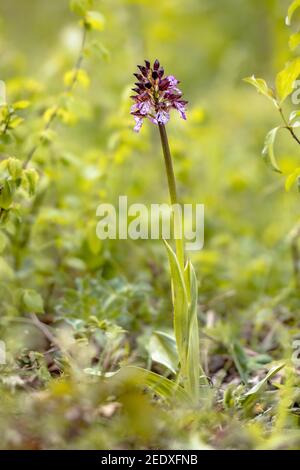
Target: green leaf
pixel 4 110
pixel 255 391
pixel 3 241
pixel 23 104
pixel 6 194
pixel 95 20
pixel 241 360
pixel 194 368
pixel 186 323
pixel 291 179
pixel 77 76
pixel 14 167
pixel 181 307
pixel 162 386
pixel 66 116
pixel 162 349
pixel 75 263
pixel 294 41
pixel 286 78
pixel 15 122
pixel 262 87
pixel 80 7
pixel 268 150
pixel 33 301
pixel 47 136
pixel 30 179
pixel 292 8
pixel 294 115
pixel 49 114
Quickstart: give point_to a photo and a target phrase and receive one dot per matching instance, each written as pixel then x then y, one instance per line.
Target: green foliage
pixel 252 395
pixel 286 78
pixel 162 349
pixel 292 9
pixel 91 360
pixel 285 84
pixel 268 150
pixel 80 75
pixel 262 87
pixel 163 387
pixel 33 301
pixel 291 179
pixel 185 295
pixel 80 7
pixel 294 41
pixel 12 177
pixel 95 20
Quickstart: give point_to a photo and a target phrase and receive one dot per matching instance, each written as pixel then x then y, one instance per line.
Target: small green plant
pixel 284 86
pixel 156 94
pixel 23 182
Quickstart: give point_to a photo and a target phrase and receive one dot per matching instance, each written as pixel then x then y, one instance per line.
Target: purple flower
pixel 155 95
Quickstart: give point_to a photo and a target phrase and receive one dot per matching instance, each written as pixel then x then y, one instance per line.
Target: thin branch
pixel 288 127
pixel 6 124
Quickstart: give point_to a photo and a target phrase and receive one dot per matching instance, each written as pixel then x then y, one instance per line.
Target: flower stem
pixel 172 191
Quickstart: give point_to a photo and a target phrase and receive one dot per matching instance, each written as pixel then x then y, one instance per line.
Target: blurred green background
pixel 94 156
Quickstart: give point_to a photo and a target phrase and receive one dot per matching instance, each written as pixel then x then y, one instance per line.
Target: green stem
pixel 172 190
pixel 288 127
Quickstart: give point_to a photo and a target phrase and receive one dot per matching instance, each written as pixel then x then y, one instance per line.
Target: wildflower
pixel 155 95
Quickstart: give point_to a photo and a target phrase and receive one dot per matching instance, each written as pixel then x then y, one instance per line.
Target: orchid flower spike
pixel 155 95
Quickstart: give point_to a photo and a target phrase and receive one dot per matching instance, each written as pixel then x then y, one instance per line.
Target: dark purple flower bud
pixel 138 76
pixel 154 75
pixel 136 113
pixel 164 84
pixel 143 70
pixel 161 72
pixel 141 86
pixel 148 85
pixel 156 65
pixel 147 63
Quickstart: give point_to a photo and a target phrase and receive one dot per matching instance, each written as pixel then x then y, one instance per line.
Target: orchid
pixel 155 96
